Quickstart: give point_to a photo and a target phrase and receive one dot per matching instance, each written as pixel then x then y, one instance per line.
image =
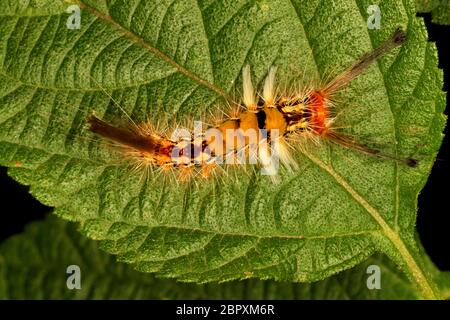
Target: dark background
pixel 19 208
pixel 433 220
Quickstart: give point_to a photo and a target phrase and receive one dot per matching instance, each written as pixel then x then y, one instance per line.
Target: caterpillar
pixel 258 133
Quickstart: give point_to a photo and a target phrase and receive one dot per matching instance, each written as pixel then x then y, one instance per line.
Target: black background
pixel 19 208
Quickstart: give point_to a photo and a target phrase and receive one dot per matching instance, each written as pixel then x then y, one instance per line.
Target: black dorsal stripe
pixel 261 116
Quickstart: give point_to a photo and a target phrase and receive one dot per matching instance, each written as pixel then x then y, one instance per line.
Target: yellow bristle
pixel 248 98
pixel 269 87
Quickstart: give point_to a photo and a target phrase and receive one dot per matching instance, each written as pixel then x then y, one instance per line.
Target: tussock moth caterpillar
pixel 262 132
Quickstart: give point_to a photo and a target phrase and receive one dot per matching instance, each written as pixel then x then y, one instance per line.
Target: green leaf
pixel 175 60
pixel 440 10
pixel 33 266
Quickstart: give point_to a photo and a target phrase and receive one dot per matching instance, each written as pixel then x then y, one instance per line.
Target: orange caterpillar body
pixel 258 132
